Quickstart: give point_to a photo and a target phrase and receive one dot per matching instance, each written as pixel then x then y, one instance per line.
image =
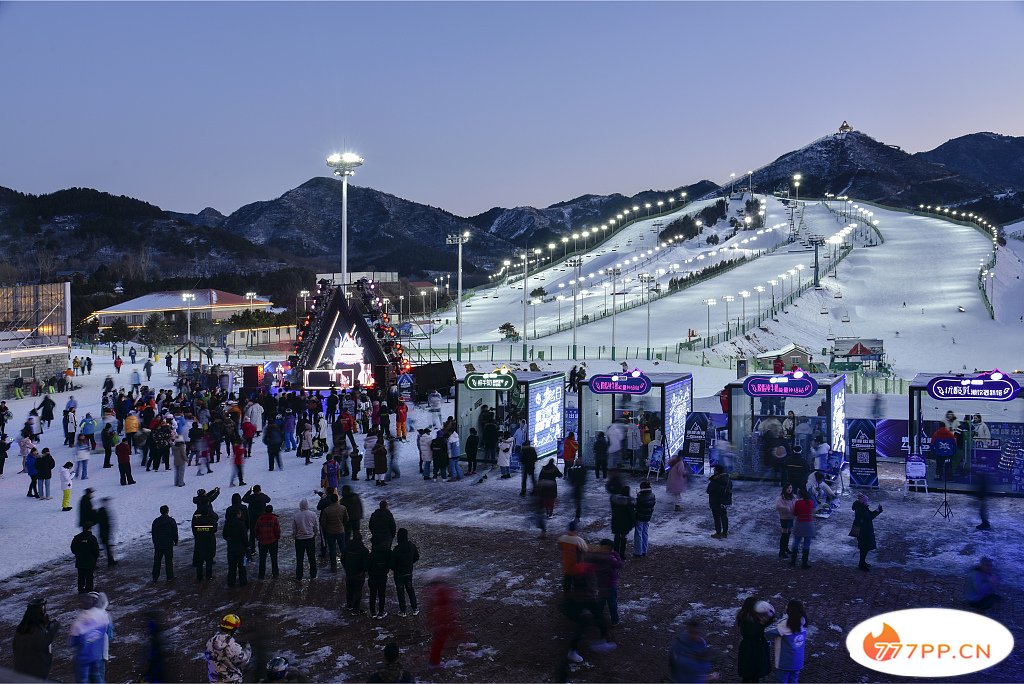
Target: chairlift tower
pixel 816 240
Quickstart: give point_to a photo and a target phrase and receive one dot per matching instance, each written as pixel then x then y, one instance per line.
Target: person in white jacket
pixel 305 530
pixel 434 401
pixel 90 637
pixel 226 658
pixel 505 455
pixel 254 412
pixel 67 474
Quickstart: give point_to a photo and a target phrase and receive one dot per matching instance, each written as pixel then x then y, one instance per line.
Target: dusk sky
pixel 466 106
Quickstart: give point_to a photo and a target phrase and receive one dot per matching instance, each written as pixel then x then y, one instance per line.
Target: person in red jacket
pixel 401 413
pixel 248 434
pixel 443 620
pixel 123 450
pixel 778 366
pixel 117 364
pixel 268 534
pixel 803 528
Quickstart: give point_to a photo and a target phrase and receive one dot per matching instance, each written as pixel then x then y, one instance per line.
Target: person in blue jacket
pixel 90 639
pixel 790 636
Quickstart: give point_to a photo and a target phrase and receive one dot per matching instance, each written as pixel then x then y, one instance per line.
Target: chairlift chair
pixel 839 294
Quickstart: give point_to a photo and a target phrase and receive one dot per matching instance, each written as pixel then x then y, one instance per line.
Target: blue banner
pixel 863 455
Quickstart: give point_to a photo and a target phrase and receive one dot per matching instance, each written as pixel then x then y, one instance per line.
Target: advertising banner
pixel 545 414
pixel 992 386
pixel 863 456
pixel 620 383
pixel 678 401
pixel 796 384
pixel 697 442
pixel 571 421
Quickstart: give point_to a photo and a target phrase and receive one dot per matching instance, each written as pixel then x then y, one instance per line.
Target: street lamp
pixel 576 262
pixel 750 183
pixel 551 251
pixel 710 302
pixel 401 305
pixel 344 165
pixel 188 298
pixel 436 288
pixel 460 239
pixel 773 283
pixel 565 246
pixel 744 294
pixel 559 298
pixel 250 296
pixel 759 289
pixel 799 278
pixel 727 299
pixel 423 300
pixel 305 295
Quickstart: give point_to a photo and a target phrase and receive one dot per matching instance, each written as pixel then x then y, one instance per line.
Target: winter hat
pixel 99 600
pixel 573 526
pixel 862 497
pixel 645 485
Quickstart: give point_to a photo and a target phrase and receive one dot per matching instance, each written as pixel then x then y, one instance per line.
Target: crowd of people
pixel 355 433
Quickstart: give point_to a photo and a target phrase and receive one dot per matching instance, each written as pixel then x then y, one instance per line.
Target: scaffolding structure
pixel 35 315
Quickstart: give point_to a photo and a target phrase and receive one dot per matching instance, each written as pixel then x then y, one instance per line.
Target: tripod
pixel 944 509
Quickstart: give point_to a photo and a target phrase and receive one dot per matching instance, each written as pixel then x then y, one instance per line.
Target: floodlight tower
pixel 344 165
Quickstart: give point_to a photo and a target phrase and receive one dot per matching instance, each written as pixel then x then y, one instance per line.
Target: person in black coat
pixel 33 639
pixel 490 440
pixel 257 502
pixel 623 520
pixel 357 560
pixel 204 499
pixel 378 569
pixel 404 556
pixel 86 514
pixel 528 461
pixel 645 501
pixel 472 447
pixel 105 524
pixel 577 476
pixel 601 456
pixel 719 498
pixel 204 530
pixel 354 506
pixel 165 537
pixel 754 660
pixel 87 551
pixel 382 526
pixel 236 535
pixel 864 524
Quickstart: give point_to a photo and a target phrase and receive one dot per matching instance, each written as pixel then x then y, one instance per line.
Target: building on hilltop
pixel 846 128
pixel 215 305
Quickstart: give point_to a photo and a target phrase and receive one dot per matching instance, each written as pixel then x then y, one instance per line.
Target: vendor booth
pixel 530 401
pixel 759 421
pixel 643 416
pixel 981 419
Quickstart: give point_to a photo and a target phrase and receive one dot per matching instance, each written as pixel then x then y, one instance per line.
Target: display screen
pixel 677 405
pixel 839 416
pixel 544 414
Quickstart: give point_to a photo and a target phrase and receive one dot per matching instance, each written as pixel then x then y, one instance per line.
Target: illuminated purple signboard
pixel 621 383
pixel 991 386
pixel 795 384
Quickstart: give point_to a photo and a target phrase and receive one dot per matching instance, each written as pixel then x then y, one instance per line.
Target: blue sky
pixel 472 105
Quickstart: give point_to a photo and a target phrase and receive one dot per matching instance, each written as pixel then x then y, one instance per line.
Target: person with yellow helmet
pixel 226 657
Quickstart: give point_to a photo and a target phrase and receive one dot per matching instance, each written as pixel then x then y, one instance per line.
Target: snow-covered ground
pixel 634 250
pixel 905 291
pixel 47 531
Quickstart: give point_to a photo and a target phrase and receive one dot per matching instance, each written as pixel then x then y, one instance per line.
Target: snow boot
pixel 803 560
pixel 792 557
pixel 783 545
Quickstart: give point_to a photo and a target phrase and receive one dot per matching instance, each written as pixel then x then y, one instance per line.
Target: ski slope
pixel 928 264
pixel 635 251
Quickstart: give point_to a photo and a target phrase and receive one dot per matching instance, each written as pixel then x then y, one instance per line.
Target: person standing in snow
pixel 226 658
pixel 33 641
pixel 86 550
pixel 66 476
pixel 784 507
pixel 644 507
pixel 90 637
pixel 790 635
pixel 305 530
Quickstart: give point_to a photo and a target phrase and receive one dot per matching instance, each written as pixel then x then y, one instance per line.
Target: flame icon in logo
pixel 878 648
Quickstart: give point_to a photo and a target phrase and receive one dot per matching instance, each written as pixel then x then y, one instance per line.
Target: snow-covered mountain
pixel 996 160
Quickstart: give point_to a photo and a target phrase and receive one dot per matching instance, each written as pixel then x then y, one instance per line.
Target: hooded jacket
pixel 404 556
pixel 304 523
pixel 92 631
pixel 789 645
pixel 226 658
pixel 645 505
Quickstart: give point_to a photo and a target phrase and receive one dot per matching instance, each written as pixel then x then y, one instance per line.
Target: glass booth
pixel 759 407
pixel 534 401
pixel 626 409
pixel 985 414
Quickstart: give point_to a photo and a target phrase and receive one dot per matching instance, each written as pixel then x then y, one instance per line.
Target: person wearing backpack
pixel 719 498
pixel 623 519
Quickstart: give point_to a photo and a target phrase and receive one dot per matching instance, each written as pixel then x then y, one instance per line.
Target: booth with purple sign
pixel 983 438
pixel 759 421
pixel 634 409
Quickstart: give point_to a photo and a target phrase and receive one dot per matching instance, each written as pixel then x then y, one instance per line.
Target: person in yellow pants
pixel 67 474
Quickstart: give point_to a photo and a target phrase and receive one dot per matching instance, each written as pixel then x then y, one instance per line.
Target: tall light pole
pixel 710 302
pixel 576 262
pixel 344 165
pixel 423 301
pixel 615 274
pixel 565 246
pixel 250 296
pixel 744 294
pixel 305 296
pixel 750 183
pixel 551 251
pixel 461 239
pixel 759 289
pixel 188 298
pixel 772 283
pixel 560 298
pixel 727 299
pixel 401 306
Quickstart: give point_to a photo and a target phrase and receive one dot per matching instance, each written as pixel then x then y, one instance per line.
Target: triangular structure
pixel 859 350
